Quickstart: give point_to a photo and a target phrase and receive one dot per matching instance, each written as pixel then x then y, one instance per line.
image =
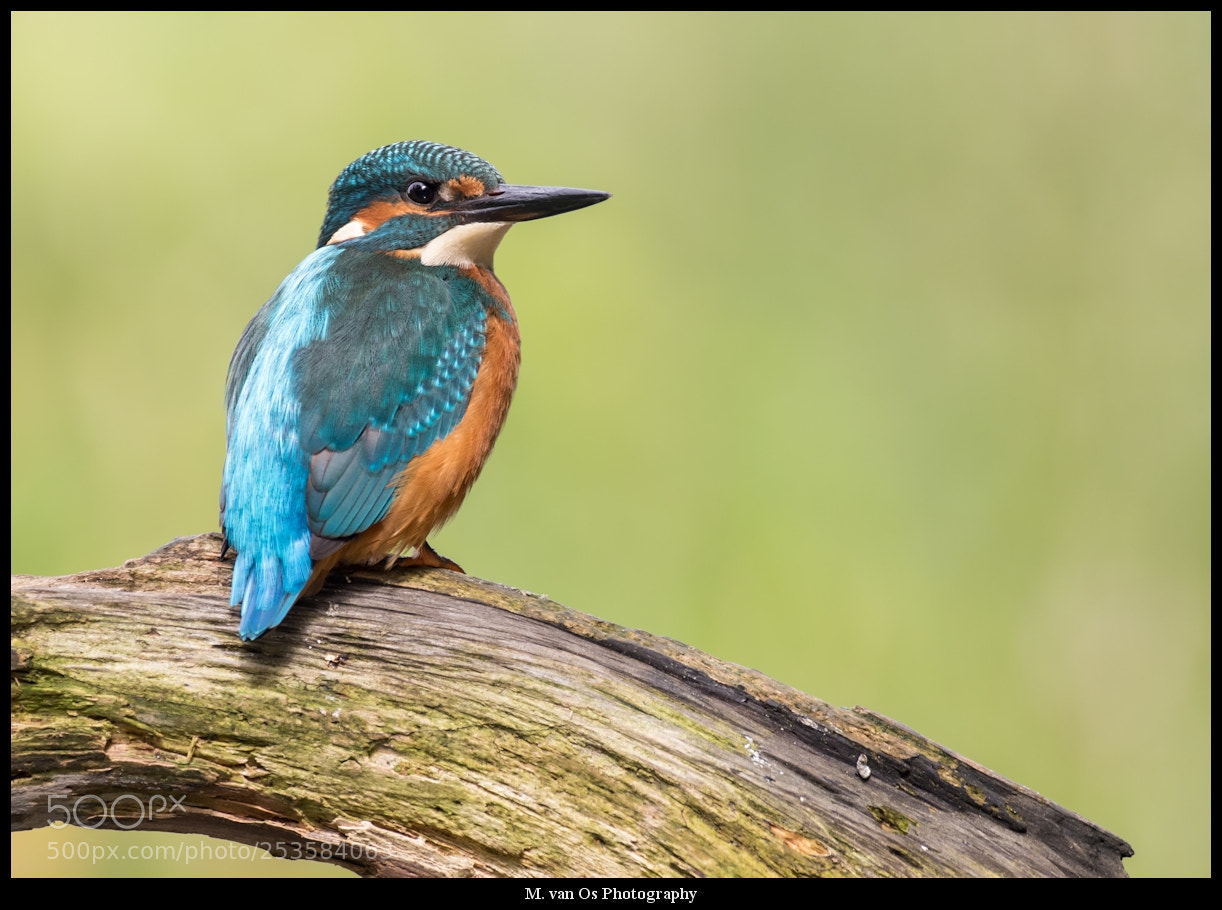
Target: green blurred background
pixel 886 371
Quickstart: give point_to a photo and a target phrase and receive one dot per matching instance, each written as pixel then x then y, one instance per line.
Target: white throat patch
pixel 466 245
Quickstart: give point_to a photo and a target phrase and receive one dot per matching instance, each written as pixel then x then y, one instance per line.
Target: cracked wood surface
pixel 420 722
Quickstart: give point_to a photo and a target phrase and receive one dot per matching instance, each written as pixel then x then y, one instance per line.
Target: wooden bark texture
pixel 420 722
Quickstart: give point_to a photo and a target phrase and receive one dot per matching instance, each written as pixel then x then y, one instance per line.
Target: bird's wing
pixel 391 376
pixel 357 364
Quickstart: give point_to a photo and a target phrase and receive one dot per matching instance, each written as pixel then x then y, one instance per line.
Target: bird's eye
pixel 421 193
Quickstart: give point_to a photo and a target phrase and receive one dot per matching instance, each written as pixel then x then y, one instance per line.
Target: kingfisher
pixel 365 396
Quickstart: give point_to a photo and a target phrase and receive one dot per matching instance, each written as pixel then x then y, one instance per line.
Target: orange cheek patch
pixel 466 186
pixel 373 216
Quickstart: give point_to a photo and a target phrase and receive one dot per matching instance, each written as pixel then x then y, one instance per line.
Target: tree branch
pixel 420 722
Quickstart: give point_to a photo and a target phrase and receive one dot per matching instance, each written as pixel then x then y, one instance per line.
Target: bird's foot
pixel 425 555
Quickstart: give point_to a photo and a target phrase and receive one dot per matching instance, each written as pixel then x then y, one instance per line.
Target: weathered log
pixel 419 722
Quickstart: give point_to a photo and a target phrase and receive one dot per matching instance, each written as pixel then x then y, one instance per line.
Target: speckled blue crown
pixel 388 170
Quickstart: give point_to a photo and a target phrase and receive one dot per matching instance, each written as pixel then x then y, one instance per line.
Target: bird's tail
pixel 265 590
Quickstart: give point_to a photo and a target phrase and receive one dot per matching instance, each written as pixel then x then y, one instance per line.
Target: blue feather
pixel 357 364
pixel 391 377
pixel 266 468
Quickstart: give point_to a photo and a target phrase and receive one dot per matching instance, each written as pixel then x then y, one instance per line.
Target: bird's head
pixel 448 204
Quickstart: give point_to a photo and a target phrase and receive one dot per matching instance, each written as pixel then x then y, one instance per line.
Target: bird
pixel 364 397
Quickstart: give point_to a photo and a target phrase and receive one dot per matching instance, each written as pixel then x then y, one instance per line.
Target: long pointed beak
pixel 525 203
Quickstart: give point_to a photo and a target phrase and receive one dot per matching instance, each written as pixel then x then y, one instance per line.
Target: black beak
pixel 525 203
